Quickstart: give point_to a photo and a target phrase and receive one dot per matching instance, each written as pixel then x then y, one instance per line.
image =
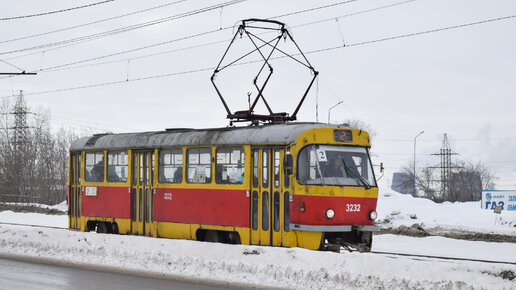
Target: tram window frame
pixel 121 161
pixel 276 171
pixel 286 177
pixel 173 163
pixel 229 165
pixel 255 167
pixel 265 168
pixel 88 173
pixel 193 162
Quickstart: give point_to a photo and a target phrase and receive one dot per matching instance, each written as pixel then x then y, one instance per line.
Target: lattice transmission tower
pixel 20 124
pixel 446 167
pixel 21 167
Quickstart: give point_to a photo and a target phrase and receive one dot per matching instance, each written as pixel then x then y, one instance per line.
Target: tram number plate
pixel 167 196
pixel 353 207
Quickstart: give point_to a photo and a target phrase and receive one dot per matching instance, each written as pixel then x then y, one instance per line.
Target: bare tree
pixel 361 125
pixel 466 184
pixel 425 180
pixel 34 170
pixel 469 181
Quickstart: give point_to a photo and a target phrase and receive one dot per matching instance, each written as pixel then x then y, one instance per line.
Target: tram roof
pixel 269 134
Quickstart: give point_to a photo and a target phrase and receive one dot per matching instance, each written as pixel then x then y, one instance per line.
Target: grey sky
pixel 460 81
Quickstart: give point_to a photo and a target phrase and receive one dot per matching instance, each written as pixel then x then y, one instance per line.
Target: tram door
pixel 74 208
pixel 141 192
pixel 266 202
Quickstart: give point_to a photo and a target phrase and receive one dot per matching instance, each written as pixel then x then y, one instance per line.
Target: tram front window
pixel 335 165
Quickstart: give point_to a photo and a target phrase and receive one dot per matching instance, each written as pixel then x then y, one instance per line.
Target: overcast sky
pixel 459 81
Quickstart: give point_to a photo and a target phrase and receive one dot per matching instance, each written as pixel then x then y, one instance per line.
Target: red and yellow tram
pixel 307 185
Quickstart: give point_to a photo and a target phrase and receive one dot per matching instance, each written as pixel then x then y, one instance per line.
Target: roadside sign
pixel 505 199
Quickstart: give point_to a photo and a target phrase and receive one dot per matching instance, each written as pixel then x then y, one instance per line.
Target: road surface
pixel 28 275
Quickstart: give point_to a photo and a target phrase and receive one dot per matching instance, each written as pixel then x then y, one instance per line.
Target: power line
pixel 91 23
pixel 309 52
pixel 12 65
pixel 118 82
pixel 313 9
pixel 126 28
pixel 63 66
pixel 415 34
pixel 67 67
pixel 138 48
pixel 167 42
pixel 56 11
pixel 353 14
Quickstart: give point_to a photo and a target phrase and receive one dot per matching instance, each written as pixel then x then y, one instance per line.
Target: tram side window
pixel 117 166
pixel 94 166
pixel 229 168
pixel 198 165
pixel 170 169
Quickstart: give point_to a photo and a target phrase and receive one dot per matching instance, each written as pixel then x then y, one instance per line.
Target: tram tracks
pixel 441 257
pixel 372 252
pixel 34 226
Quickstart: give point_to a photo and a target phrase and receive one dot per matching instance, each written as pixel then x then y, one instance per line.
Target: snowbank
pixel 262 266
pixel 39 219
pixel 292 268
pixel 396 209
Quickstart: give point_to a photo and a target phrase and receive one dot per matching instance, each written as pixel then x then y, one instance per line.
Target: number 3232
pixel 353 207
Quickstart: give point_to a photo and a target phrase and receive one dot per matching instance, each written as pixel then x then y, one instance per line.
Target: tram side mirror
pixel 381 167
pixel 289 164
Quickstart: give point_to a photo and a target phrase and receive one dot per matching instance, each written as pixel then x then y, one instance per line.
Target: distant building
pixel 466 185
pixel 402 182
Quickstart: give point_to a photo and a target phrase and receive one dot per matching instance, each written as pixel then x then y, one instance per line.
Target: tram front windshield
pixel 335 165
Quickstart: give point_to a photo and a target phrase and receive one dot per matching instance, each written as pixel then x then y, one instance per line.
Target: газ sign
pixel 504 198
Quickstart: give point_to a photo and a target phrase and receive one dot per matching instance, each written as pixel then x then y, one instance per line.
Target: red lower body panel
pixel 202 206
pixel 110 202
pixel 348 210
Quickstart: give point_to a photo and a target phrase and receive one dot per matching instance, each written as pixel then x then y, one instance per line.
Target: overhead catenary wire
pixel 166 42
pixel 313 9
pixel 54 12
pixel 353 14
pixel 64 66
pixel 126 28
pixel 91 23
pixel 12 65
pixel 248 62
pixel 416 33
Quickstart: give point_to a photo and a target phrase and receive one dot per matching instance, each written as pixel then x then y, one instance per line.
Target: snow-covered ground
pixel 396 209
pixel 293 268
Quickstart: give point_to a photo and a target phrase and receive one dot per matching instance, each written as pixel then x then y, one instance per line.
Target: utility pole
pixel 415 161
pixel 329 110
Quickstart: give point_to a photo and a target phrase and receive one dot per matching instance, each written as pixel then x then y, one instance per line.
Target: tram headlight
pixel 373 214
pixel 329 213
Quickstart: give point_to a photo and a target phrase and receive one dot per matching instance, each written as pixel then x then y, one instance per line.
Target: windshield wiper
pixel 356 175
pixel 318 165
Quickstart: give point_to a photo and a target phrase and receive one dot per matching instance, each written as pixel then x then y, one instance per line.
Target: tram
pixel 307 185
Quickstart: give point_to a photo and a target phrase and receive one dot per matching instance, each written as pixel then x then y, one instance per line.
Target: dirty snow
pixel 291 268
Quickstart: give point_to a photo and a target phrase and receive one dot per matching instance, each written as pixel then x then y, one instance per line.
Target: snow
pixel 396 209
pixel 294 267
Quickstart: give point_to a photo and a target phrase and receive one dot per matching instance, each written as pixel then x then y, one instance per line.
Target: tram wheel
pixel 102 228
pixel 212 236
pixel 114 228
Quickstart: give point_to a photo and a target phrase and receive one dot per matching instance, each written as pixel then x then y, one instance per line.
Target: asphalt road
pixel 28 275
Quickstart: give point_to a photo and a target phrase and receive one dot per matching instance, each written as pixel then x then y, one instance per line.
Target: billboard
pixel 506 199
